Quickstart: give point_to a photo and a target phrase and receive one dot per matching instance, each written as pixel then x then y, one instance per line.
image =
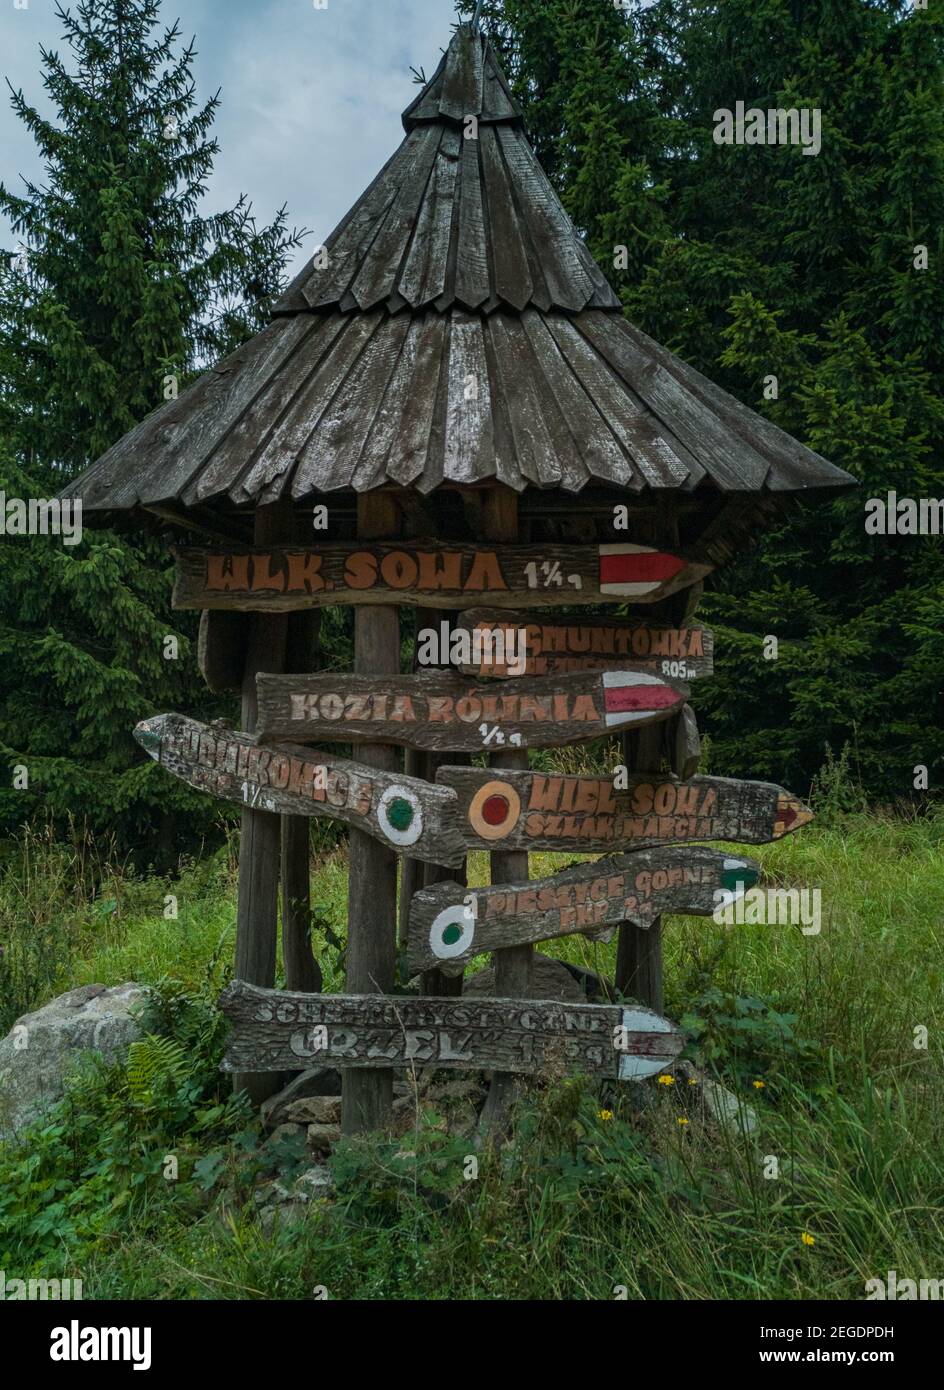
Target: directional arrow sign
pixel 404 813
pixel 276 1030
pixel 449 924
pixel 533 811
pixel 440 710
pixel 433 575
pixel 493 644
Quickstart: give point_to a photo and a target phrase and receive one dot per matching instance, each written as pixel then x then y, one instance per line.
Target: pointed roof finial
pixel 468 82
pixel 476 15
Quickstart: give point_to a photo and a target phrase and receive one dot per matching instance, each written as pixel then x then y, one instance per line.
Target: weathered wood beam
pixel 273 1028
pixel 554 646
pixel 367 1095
pixel 639 946
pixel 512 966
pixel 206 523
pixel 222 648
pixel 445 712
pixel 435 574
pixel 395 810
pixel 561 812
pixel 302 971
pixel 435 981
pixel 639 972
pixel 450 923
pixel 413 874
pixel 685 747
pixel 258 890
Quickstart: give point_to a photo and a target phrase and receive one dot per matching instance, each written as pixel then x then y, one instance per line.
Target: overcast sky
pixel 311 98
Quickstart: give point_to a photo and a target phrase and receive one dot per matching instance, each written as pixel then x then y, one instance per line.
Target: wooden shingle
pixel 457 332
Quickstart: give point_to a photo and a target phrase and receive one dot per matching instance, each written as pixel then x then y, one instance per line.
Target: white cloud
pixel 311 99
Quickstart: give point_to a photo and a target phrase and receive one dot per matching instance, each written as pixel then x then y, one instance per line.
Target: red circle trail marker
pixel 588 815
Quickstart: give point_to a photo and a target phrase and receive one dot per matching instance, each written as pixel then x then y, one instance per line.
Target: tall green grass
pixel 843 1181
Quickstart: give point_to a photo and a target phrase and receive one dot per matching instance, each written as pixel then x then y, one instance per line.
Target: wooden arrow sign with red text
pixel 434 575
pixel 449 923
pixel 408 815
pixel 278 1030
pixel 537 811
pixel 492 645
pixel 440 710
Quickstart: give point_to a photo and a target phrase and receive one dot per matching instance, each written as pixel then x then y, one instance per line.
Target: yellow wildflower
pixel 604 1114
pixel 807 1239
pixel 682 1120
pixel 758 1085
pixel 666 1080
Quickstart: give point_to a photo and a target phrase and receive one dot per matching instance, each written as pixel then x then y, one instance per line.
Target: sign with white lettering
pixel 407 814
pixel 442 711
pixel 487 645
pixel 443 576
pixel 449 924
pixel 534 810
pixel 276 1030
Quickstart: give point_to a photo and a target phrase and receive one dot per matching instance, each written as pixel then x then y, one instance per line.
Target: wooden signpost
pixel 685 750
pixel 444 712
pixel 435 575
pixel 449 924
pixel 277 1030
pixel 536 811
pixel 556 645
pixel 363 413
pixel 222 646
pixel 404 813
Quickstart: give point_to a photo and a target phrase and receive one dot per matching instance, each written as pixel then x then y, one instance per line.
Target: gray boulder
pixel 314 1110
pixel 42 1047
pixel 317 1081
pixel 549 980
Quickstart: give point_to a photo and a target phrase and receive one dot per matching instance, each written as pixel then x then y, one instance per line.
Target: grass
pixel 850 1153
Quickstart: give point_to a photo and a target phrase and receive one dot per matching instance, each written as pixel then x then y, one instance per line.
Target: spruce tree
pixel 121 288
pixel 757 263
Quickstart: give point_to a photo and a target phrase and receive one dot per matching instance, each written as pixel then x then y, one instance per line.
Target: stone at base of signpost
pixel 721 1107
pixel 550 979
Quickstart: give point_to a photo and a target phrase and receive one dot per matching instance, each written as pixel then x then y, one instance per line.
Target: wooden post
pixel 415 765
pixel 434 981
pixel 372 891
pixel 302 971
pixel 424 764
pixel 411 870
pixel 639 949
pixel 257 909
pixel 512 966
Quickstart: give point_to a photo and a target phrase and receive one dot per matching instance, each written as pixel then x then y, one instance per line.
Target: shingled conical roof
pixel 461 217
pixel 457 331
